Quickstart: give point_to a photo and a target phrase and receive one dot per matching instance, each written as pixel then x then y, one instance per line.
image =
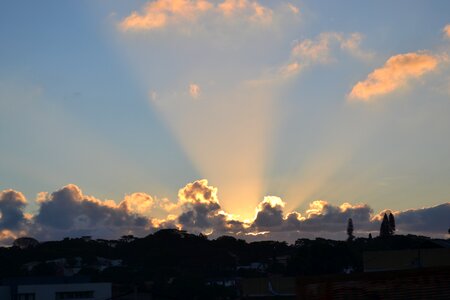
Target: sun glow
pixel 226 137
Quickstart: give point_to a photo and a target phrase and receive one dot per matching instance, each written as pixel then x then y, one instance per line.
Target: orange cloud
pixel 140 203
pixel 395 73
pixel 256 11
pixel 194 90
pixel 446 31
pixel 290 69
pixel 159 13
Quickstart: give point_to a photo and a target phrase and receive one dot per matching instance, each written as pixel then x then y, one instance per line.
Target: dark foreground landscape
pixel 173 264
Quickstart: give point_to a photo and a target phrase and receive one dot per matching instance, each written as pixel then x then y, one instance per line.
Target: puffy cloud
pixel 395 73
pixel 139 203
pixel 321 219
pixel 201 211
pixel 446 31
pixel 161 13
pixel 327 218
pixel 270 217
pixel 269 213
pixel 194 90
pixel 69 212
pixel 198 192
pixel 12 204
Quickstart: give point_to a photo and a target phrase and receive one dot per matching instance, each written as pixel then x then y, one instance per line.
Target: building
pixel 53 288
pixel 426 284
pixel 273 287
pixel 376 261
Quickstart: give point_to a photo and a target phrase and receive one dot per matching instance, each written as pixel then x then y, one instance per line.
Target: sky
pixel 261 119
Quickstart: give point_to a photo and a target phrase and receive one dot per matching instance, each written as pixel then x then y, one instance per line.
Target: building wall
pixel 405 259
pixel 45 292
pixel 5 292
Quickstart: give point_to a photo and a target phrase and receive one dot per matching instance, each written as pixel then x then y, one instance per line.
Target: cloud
pixel 396 73
pixel 69 212
pixel 319 50
pixel 139 203
pixel 250 9
pixel 269 213
pixel 293 8
pixel 427 221
pixel 290 69
pixel 162 13
pixel 159 13
pixel 201 211
pixel 327 218
pixel 446 31
pixel 309 52
pixel 194 90
pixel 12 204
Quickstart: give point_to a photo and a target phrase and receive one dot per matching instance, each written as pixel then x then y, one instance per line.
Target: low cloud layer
pixel 69 212
pixel 396 73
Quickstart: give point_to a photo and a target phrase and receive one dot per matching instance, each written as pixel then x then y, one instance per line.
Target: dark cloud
pixel 428 221
pixel 12 204
pixel 270 214
pixel 69 212
pixel 201 211
pixel 325 217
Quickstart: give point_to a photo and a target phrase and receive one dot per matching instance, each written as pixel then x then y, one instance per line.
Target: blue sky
pixel 258 97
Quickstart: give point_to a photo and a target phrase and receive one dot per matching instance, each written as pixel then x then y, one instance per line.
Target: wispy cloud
pixel 319 50
pixel 394 74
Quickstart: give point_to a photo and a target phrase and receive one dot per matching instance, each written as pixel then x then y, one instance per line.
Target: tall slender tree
pixel 385 228
pixel 350 230
pixel 391 224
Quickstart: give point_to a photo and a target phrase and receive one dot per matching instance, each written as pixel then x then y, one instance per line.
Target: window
pixel 25 296
pixel 74 295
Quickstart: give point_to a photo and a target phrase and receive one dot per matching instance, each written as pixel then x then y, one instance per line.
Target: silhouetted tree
pixel 391 224
pixel 385 228
pixel 370 236
pixel 350 230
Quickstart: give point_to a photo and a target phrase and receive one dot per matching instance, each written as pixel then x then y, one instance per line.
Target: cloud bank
pixel 69 212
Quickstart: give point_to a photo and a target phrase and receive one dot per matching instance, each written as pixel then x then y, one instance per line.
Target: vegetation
pixel 176 263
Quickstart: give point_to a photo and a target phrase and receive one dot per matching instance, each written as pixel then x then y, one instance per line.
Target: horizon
pixel 253 118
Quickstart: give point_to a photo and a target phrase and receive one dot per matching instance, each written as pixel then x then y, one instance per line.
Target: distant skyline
pixel 270 115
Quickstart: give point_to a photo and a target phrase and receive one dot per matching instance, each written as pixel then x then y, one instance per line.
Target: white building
pixel 79 291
